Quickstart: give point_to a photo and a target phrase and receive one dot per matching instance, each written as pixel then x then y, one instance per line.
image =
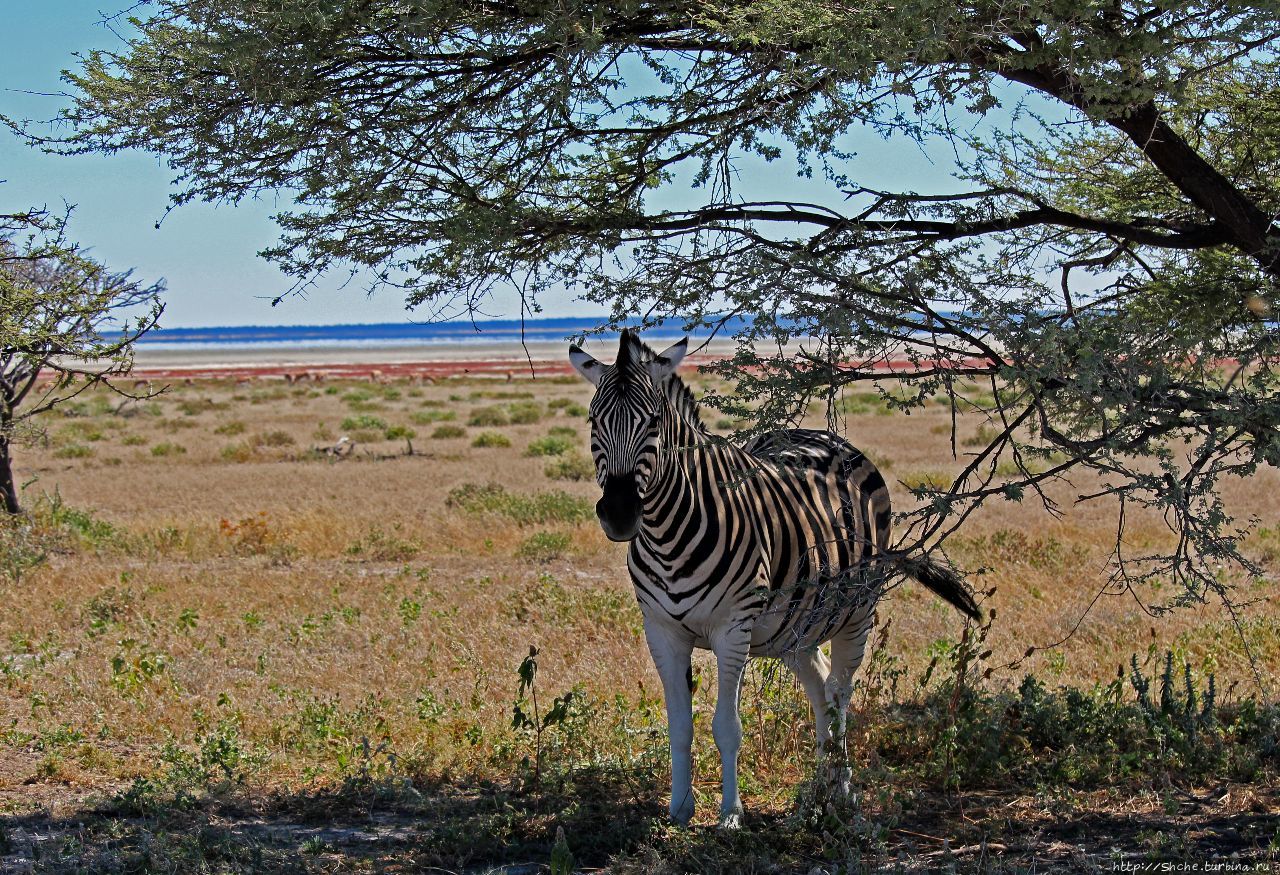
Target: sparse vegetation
pixel 551 445
pixel 489 417
pixel 490 440
pixel 570 466
pixel 273 645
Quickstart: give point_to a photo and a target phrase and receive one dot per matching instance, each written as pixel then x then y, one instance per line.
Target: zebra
pixel 769 549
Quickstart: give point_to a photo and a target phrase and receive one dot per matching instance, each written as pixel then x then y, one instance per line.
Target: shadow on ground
pixel 614 824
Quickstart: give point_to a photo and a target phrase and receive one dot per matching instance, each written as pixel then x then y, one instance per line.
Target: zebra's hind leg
pixel 811 668
pixel 847 649
pixel 672 657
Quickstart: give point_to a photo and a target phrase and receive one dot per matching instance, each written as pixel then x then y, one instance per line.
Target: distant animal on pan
pixel 768 549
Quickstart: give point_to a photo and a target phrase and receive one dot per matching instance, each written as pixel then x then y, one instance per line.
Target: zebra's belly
pixel 782 621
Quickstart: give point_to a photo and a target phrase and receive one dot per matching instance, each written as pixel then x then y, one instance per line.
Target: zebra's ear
pixel 585 364
pixel 665 363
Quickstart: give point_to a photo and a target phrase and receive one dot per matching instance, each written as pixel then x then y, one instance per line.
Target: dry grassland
pixel 226 600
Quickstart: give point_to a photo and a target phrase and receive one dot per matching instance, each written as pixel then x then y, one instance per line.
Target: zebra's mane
pixel 678 394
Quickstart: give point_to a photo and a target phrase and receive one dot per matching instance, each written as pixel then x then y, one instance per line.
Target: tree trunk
pixel 8 488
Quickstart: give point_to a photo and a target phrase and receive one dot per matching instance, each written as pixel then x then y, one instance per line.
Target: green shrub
pixel 449 431
pixel 544 546
pixel 230 429
pixel 525 412
pixel 536 509
pixel 559 403
pixel 488 417
pixel 399 432
pixel 133 440
pixel 491 439
pixel 363 421
pixel 237 452
pixel 564 431
pixel 167 448
pixel 575 409
pixel 549 446
pixel 427 417
pixel 570 466
pixel 73 451
pixel 381 546
pixel 82 431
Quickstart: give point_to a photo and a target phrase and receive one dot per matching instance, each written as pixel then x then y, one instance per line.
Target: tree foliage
pixel 66 323
pixel 1106 259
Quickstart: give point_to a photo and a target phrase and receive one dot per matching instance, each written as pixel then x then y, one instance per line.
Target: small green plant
pixel 231 428
pixel 446 432
pixel 73 451
pixel 490 439
pixel 380 546
pixel 551 445
pixel 571 466
pixel 237 452
pixel 134 664
pixel 133 440
pixel 525 715
pixel 429 417
pixel 410 610
pixel 489 417
pixel 544 546
pixel 540 508
pixel 575 409
pixel 363 421
pixel 525 412
pixel 168 448
pixel 399 433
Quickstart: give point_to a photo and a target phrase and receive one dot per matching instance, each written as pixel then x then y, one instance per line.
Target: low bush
pixel 489 417
pixel 544 546
pixel 539 508
pixel 570 466
pixel 525 412
pixel 491 439
pixel 427 417
pixel 551 445
pixel 363 421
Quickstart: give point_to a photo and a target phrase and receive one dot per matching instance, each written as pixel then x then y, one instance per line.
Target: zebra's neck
pixel 671 502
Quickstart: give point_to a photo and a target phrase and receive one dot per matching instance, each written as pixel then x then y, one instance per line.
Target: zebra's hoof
pixel 732 820
pixel 682 814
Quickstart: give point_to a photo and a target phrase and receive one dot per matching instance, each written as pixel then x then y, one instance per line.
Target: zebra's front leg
pixel 672 657
pixel 732 650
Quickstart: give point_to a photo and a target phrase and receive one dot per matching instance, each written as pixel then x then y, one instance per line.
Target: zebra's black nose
pixel 619 509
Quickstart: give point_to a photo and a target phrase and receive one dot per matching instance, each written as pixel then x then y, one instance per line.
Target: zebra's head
pixel 625 426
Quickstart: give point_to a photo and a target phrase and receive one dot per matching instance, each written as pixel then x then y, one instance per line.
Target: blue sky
pixel 206 253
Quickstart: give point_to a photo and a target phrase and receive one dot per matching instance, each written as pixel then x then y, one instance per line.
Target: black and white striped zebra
pixel 767 549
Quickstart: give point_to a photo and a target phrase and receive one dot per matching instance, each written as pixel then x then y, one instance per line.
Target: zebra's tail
pixel 943 581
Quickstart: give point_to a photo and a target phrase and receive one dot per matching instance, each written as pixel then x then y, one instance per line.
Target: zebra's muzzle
pixel 620 509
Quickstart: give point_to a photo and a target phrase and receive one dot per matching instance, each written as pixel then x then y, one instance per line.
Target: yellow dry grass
pixel 312 600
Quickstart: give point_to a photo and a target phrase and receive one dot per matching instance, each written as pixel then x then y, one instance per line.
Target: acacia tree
pixel 1106 259
pixel 66 323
